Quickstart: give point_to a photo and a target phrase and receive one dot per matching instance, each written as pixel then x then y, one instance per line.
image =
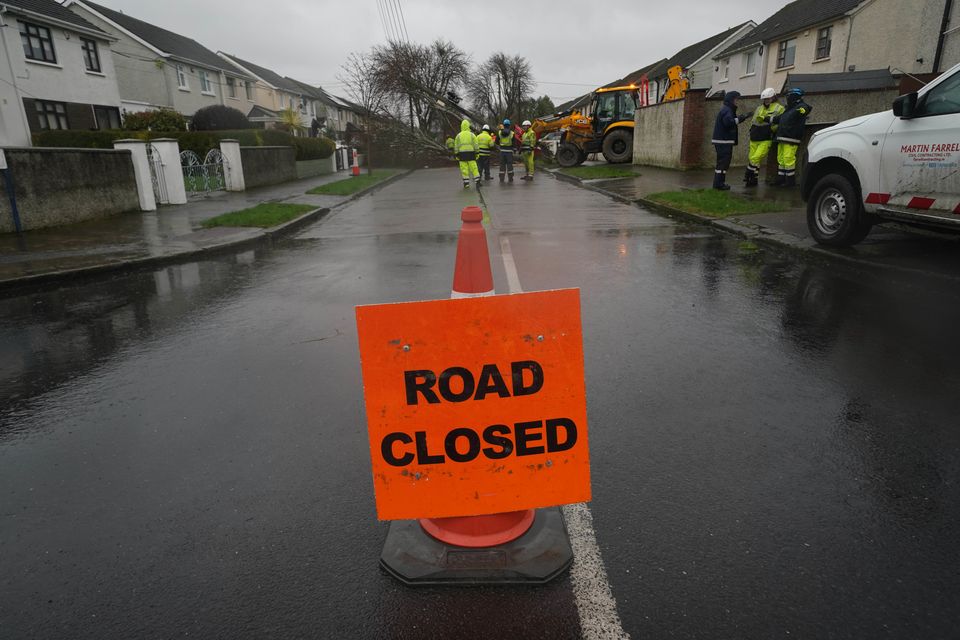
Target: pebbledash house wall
pixel 61 186
pixel 264 166
pixel 660 141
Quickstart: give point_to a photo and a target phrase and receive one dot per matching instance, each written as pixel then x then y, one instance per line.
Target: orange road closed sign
pixel 475 406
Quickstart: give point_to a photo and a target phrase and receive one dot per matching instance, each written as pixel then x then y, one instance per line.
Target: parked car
pixel 901 165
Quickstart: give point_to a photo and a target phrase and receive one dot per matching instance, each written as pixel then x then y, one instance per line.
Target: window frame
pixel 182 81
pixel 749 56
pixel 782 53
pixel 28 48
pixel 828 40
pixel 248 89
pixel 51 108
pixel 724 69
pixel 91 53
pixel 231 87
pixel 206 86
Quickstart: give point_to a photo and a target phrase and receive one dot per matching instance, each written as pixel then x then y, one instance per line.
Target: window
pixel 787 53
pixel 231 87
pixel 205 86
pixel 52 115
pixel 749 63
pixel 942 99
pixel 182 78
pixel 824 37
pixel 107 117
pixel 248 87
pixel 303 104
pixel 37 42
pixel 725 69
pixel 91 58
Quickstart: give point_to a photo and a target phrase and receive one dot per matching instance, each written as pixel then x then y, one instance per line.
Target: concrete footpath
pixel 889 246
pixel 170 234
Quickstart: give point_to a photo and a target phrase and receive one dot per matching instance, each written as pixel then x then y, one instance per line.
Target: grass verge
pixel 349 186
pixel 265 214
pixel 713 203
pixel 596 172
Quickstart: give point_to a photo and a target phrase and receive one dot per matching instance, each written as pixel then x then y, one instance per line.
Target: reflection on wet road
pixel 774 445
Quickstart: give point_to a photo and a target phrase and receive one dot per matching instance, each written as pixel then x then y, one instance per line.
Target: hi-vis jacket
pixel 761 126
pixel 485 142
pixel 528 141
pixel 791 122
pixel 505 139
pixel 465 140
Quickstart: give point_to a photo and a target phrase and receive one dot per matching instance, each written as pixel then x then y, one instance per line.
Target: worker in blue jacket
pixel 789 136
pixel 725 136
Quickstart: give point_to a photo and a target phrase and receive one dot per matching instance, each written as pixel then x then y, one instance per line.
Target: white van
pixel 901 165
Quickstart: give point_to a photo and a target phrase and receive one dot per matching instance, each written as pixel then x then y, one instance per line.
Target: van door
pixel 920 158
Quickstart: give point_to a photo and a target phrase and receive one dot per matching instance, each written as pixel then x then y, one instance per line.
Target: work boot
pixel 478 183
pixel 466 184
pixel 489 177
pixel 752 180
pixel 791 181
pixel 780 181
pixel 747 175
pixel 501 177
pixel 719 179
pixel 511 177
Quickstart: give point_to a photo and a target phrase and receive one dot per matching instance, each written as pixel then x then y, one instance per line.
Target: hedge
pixel 197 141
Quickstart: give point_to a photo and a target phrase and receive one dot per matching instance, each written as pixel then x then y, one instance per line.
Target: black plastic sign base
pixel 541 554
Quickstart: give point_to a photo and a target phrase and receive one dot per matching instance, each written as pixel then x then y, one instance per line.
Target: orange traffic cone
pixel 472 278
pixel 356 164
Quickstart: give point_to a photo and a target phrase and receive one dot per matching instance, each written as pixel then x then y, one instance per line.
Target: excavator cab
pixel 612 106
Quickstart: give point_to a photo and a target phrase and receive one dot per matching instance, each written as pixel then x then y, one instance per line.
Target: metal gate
pixel 205 177
pixel 156 176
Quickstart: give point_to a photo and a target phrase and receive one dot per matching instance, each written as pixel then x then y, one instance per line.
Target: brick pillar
pixel 691 140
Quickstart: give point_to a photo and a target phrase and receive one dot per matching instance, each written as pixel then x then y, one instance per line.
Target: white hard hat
pixel 525 123
pixel 768 93
pixel 486 127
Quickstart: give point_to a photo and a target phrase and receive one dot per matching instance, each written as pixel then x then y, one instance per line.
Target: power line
pixel 403 20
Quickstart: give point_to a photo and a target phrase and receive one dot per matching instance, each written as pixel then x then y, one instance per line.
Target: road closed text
pixel 465 444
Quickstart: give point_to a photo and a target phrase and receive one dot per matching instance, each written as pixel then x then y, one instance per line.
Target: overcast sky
pixel 573 47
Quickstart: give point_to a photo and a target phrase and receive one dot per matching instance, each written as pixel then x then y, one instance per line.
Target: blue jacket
pixel 725 128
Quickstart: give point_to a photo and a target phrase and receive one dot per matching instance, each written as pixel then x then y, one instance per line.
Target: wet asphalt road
pixel 774 444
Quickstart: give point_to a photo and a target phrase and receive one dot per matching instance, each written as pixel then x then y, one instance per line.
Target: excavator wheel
pixel 568 155
pixel 618 146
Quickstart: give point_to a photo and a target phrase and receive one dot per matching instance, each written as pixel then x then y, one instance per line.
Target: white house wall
pixel 748 84
pixel 66 81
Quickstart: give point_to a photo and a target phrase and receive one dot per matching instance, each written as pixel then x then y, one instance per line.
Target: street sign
pixel 476 405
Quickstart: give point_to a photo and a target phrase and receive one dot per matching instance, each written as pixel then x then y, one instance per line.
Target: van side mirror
pixel 905 105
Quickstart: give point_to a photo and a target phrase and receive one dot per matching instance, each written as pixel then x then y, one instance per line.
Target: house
pixel 57 72
pixel 157 68
pixel 837 36
pixel 272 93
pixel 697 61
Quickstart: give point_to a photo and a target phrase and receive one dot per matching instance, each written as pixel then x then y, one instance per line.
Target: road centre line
pixel 596 606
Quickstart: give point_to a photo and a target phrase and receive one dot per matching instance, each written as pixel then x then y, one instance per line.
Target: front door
pixel 605 112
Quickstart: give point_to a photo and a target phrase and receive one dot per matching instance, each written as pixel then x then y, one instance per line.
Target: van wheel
pixel 618 146
pixel 835 215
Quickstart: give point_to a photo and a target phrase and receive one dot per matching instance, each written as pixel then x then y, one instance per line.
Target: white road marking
pixel 513 279
pixel 596 606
